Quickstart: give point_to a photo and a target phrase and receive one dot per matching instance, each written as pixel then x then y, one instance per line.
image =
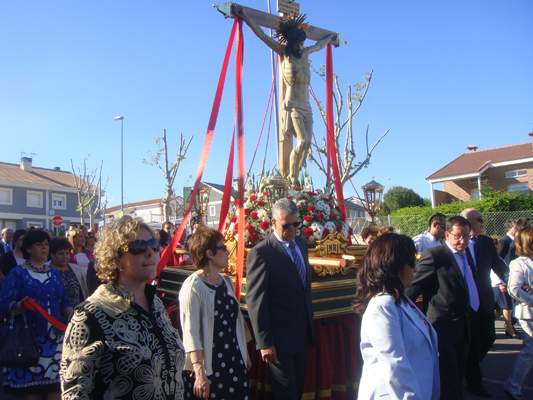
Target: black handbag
pixel 18 344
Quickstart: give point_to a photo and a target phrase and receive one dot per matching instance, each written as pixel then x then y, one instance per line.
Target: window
pixel 474 194
pixel 212 211
pixel 472 180
pixel 34 224
pixel 34 199
pixel 59 201
pixel 519 187
pixel 6 196
pixel 515 174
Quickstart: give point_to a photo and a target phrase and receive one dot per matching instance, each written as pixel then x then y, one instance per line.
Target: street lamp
pixel 373 194
pixel 121 119
pixel 203 201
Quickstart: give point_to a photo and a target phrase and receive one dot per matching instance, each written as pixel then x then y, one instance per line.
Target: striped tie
pixel 298 261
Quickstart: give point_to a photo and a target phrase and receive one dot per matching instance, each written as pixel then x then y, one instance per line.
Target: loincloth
pixel 294 109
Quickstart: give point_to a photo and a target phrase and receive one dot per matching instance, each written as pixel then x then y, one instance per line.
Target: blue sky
pixel 447 74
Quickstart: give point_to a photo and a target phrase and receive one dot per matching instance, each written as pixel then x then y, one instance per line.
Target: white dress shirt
pixel 425 241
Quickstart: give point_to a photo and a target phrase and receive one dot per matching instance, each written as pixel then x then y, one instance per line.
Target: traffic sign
pixel 57 220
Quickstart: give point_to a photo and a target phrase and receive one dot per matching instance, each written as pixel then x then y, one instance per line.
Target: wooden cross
pixel 268 20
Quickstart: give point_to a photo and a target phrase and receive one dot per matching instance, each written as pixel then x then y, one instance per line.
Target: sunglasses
pixel 443 226
pixel 223 247
pixel 288 225
pixel 140 246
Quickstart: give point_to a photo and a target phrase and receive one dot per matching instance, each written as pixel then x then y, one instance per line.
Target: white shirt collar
pixel 512 237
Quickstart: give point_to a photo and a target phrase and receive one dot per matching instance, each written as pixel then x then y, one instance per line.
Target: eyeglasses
pixel 459 237
pixel 443 226
pixel 480 220
pixel 288 225
pixel 223 247
pixel 140 246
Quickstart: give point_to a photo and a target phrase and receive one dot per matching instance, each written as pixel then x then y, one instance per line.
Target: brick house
pixel 31 196
pixel 507 168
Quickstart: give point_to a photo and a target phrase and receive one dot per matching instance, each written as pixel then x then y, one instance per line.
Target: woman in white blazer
pixel 398 344
pixel 522 274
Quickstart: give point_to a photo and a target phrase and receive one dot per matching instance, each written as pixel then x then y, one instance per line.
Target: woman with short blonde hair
pixel 120 343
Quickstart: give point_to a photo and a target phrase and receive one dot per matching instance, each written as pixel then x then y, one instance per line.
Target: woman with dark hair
pixel 38 281
pixel 521 275
pixel 11 259
pixel 71 275
pixel 398 344
pixel 213 327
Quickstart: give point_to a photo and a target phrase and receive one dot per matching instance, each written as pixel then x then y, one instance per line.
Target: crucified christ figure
pixel 297 116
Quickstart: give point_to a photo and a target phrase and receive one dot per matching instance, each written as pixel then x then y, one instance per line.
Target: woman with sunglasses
pixel 120 342
pixel 213 326
pixel 398 344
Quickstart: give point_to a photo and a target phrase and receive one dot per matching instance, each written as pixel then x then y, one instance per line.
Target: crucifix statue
pixel 296 115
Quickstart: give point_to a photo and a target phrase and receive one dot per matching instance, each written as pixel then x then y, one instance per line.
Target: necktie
pixel 8 247
pixel 300 266
pixel 474 239
pixel 470 283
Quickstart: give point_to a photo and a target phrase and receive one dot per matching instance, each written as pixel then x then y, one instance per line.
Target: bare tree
pixel 354 101
pixel 169 171
pixel 91 200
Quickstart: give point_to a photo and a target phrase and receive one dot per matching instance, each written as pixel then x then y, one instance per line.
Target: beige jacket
pixel 197 314
pixel 521 274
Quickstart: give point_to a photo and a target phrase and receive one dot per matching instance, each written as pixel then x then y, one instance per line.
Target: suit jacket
pixel 440 280
pixel 505 245
pixel 486 259
pixel 400 355
pixel 2 249
pixel 279 306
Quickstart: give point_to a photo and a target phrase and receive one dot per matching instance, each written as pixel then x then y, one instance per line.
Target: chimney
pixel 25 164
pixel 531 136
pixel 471 148
pixel 57 169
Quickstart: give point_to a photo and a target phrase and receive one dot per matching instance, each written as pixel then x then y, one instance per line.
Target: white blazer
pixel 400 355
pixel 521 273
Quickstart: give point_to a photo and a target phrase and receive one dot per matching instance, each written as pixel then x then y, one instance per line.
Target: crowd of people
pixel 121 344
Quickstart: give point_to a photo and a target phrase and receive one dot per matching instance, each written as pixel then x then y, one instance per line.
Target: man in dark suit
pixel 508 240
pixel 6 245
pixel 520 224
pixel 483 333
pixel 278 295
pixel 444 277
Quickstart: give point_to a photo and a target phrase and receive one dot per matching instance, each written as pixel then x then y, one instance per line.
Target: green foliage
pixel 413 220
pixel 400 197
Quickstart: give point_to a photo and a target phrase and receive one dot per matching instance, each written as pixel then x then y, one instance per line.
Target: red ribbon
pixel 224 208
pixel 169 250
pixel 240 150
pixel 31 305
pixel 332 149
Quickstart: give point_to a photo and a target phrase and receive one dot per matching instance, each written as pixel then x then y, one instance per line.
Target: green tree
pixel 400 197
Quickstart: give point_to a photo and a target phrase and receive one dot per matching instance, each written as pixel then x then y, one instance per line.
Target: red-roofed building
pixel 507 168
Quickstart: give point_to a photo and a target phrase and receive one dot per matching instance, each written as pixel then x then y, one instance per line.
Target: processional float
pixel 335 361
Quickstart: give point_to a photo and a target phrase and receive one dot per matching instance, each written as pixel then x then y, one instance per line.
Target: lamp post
pixel 373 195
pixel 278 187
pixel 121 119
pixel 203 201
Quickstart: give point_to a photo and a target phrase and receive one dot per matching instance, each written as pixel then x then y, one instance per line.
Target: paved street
pixel 496 368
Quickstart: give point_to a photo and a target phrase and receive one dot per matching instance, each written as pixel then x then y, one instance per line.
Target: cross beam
pixel 270 21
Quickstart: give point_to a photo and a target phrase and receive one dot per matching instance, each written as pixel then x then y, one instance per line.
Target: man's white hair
pixel 284 206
